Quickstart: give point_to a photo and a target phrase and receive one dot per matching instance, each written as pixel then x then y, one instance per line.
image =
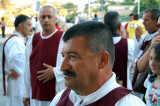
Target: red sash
pixel 121 58
pixel 108 100
pixel 43 51
pixel 3 66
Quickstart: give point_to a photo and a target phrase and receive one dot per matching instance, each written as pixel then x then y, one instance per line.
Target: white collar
pixel 116 39
pixel 20 36
pixel 101 92
pixel 150 36
pixel 46 37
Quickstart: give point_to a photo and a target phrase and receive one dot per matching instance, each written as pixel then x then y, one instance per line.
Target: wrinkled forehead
pixel 75 44
pixel 28 21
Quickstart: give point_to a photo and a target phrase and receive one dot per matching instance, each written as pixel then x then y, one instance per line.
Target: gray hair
pixel 48 6
pixel 112 19
pixel 154 13
pixel 97 35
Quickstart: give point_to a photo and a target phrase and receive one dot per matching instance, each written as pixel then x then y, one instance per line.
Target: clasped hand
pixel 47 74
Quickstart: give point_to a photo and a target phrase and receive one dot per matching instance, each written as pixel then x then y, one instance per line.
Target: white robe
pixel 14 59
pixel 26 90
pixel 128 100
pixel 138 52
pixel 131 48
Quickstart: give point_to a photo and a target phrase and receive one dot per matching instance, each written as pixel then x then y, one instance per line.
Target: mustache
pixel 69 73
pixel 46 24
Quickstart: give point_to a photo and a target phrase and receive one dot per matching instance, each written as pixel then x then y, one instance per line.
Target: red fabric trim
pixel 3 66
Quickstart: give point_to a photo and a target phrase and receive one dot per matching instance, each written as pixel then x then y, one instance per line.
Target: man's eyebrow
pixel 72 52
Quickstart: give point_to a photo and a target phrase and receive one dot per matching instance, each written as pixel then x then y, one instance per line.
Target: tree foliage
pixel 71 9
pixel 145 4
pixel 98 8
pixel 4 4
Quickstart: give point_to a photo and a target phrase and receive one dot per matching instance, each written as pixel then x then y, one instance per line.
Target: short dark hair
pixel 97 35
pixel 112 19
pixel 136 16
pixel 95 15
pixel 154 13
pixel 156 49
pixel 131 14
pixel 20 19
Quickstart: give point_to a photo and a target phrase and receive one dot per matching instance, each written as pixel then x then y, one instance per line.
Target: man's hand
pixel 13 75
pixel 155 40
pixel 46 75
pixel 26 101
pixel 138 32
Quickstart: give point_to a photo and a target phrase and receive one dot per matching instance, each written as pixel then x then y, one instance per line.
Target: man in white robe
pixel 113 20
pixel 14 52
pixel 48 18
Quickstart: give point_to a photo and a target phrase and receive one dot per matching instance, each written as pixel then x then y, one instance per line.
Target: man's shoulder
pixel 12 38
pixel 13 41
pixel 56 98
pixel 130 100
pixel 37 33
pixel 59 32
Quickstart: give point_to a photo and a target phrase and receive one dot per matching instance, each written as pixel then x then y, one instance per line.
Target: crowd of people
pixel 88 63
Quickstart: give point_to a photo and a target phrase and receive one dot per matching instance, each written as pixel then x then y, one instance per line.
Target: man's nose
pixel 46 18
pixel 65 64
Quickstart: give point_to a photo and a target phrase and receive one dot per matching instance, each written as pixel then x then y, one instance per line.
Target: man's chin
pixel 68 83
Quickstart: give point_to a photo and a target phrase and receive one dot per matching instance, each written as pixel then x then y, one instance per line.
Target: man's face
pixel 48 19
pixel 149 24
pixel 131 18
pixel 80 66
pixel 26 28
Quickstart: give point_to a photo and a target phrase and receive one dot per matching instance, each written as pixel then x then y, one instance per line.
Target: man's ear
pixel 119 26
pixel 104 59
pixel 20 26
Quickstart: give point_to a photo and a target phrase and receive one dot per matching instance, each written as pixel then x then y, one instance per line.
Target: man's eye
pixel 72 56
pixel 62 55
pixel 42 17
pixel 150 58
pixel 49 17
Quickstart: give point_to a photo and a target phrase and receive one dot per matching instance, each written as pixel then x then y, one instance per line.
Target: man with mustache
pixel 88 53
pixel 42 77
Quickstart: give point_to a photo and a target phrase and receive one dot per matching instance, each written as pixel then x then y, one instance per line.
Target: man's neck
pixel 47 32
pixel 20 33
pixel 152 31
